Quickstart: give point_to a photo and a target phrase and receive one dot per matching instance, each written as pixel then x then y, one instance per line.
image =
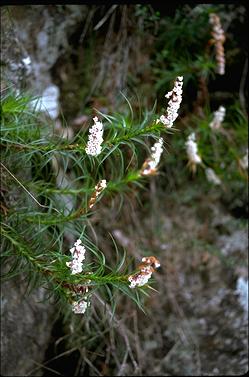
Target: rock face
pixel 26 324
pixel 37 35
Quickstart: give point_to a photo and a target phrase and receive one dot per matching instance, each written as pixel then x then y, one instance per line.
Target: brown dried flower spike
pixel 98 189
pixel 152 261
pixel 145 268
pixel 218 41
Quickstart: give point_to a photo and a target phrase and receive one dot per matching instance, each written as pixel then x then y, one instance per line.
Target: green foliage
pixel 36 216
pixel 182 47
pixel 38 211
pixel 220 150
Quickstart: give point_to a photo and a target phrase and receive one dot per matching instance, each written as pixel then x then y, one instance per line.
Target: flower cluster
pixel 95 138
pixel 150 164
pixel 192 152
pixel 212 177
pixel 98 189
pixel 146 268
pixel 218 40
pixel 219 116
pixel 78 290
pixel 79 307
pixel 78 255
pixel 175 96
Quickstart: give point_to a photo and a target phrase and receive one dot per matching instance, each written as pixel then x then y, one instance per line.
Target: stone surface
pixel 26 324
pixel 38 36
pixel 33 37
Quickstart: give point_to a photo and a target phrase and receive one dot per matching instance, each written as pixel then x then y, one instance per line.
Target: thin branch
pixel 242 86
pixel 24 188
pixel 104 19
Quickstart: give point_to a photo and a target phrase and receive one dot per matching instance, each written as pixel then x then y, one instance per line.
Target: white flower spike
pixel 95 138
pixel 175 96
pixel 150 164
pixel 192 152
pixel 219 116
pixel 78 255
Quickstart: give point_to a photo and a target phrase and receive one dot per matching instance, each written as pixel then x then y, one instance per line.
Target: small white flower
pixel 95 138
pixel 75 266
pixel 219 116
pixel 80 306
pixel 192 150
pixel 78 251
pixel 212 177
pixel 175 96
pixel 72 250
